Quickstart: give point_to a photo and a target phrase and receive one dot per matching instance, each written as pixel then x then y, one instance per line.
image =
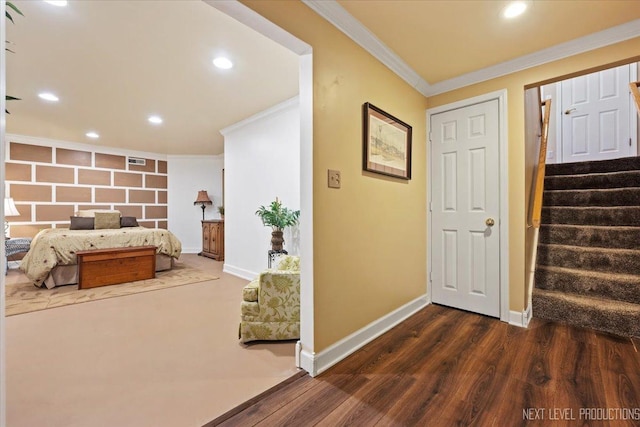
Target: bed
pixel 51 260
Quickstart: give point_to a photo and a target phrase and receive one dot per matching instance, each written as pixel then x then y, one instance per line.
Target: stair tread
pixel 631 278
pixel 595 166
pixel 580 175
pixel 592 207
pixel 600 303
pixel 598 227
pixel 590 248
pixel 620 179
pixel 590 190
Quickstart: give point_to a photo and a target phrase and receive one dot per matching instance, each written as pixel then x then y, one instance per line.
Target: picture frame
pixel 386 143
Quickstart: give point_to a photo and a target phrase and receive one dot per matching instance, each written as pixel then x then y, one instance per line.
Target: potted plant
pixel 221 211
pixel 278 218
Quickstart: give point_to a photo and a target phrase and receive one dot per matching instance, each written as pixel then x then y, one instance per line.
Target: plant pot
pixel 276 240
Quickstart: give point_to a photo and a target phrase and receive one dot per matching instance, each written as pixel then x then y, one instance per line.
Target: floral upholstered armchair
pixel 271 303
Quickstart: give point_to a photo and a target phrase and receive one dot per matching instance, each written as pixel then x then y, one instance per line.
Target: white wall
pixel 186 176
pixel 262 162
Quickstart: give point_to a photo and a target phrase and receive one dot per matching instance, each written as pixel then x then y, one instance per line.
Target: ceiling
pixel 113 63
pixel 444 39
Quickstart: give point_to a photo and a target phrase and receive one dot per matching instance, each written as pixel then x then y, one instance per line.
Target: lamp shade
pixel 203 198
pixel 10 207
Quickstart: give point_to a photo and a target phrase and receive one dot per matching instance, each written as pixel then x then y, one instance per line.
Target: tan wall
pixel 48 184
pixel 515 83
pixel 370 235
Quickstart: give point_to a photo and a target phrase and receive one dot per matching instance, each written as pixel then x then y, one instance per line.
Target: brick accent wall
pixel 49 184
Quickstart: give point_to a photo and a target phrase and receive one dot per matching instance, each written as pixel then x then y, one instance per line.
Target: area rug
pixel 25 297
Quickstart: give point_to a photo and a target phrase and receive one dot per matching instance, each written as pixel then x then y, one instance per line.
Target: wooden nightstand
pixel 213 239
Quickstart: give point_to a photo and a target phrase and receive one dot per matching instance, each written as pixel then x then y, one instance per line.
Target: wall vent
pixel 137 161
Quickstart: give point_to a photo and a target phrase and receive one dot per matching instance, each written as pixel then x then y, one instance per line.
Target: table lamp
pixel 203 200
pixel 9 210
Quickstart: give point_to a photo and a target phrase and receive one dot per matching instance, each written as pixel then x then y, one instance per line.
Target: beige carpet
pixel 25 297
pixel 169 358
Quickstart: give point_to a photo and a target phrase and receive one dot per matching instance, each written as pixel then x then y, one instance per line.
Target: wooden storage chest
pixel 101 267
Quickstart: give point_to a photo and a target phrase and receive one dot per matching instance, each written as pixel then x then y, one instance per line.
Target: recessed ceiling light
pixel 513 9
pixel 222 62
pixel 156 120
pixel 47 96
pixel 57 2
pixel 93 135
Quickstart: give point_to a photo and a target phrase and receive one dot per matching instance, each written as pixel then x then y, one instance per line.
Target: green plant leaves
pixel 10 18
pixel 15 9
pixel 10 98
pixel 13 6
pixel 277 216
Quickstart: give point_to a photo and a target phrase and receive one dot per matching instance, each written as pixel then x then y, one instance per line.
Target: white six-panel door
pixel 596 116
pixel 465 242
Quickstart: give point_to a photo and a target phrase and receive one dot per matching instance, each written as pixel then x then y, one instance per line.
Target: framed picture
pixel 387 143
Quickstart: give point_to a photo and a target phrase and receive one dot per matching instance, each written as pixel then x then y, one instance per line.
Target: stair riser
pixel 585 198
pixel 614 180
pixel 600 166
pixel 588 285
pixel 593 216
pixel 589 236
pixel 573 257
pixel 619 323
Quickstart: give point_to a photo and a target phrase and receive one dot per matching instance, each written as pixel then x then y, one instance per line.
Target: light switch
pixel 334 179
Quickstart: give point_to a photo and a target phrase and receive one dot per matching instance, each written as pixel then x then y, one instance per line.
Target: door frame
pixel 503 225
pixel 305 348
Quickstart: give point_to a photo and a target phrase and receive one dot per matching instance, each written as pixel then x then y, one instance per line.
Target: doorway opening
pixel 593 116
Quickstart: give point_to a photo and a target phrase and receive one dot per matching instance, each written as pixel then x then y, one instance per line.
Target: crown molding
pixel 254 20
pixel 345 22
pixel 276 109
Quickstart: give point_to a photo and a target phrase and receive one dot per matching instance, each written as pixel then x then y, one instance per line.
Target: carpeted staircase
pixel 588 266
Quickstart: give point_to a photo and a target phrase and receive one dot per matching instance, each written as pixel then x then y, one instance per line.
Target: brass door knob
pixel 490 222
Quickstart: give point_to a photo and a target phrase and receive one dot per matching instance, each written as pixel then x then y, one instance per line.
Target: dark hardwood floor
pixel 445 367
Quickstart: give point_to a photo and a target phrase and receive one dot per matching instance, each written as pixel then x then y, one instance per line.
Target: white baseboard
pixel 239 272
pixel 191 250
pixel 316 363
pixel 521 319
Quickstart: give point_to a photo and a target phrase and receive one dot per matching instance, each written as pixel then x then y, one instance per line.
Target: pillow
pixel 92 212
pixel 128 221
pixel 81 223
pixel 107 220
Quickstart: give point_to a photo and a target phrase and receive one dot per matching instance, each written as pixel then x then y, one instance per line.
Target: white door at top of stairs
pixel 598 117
